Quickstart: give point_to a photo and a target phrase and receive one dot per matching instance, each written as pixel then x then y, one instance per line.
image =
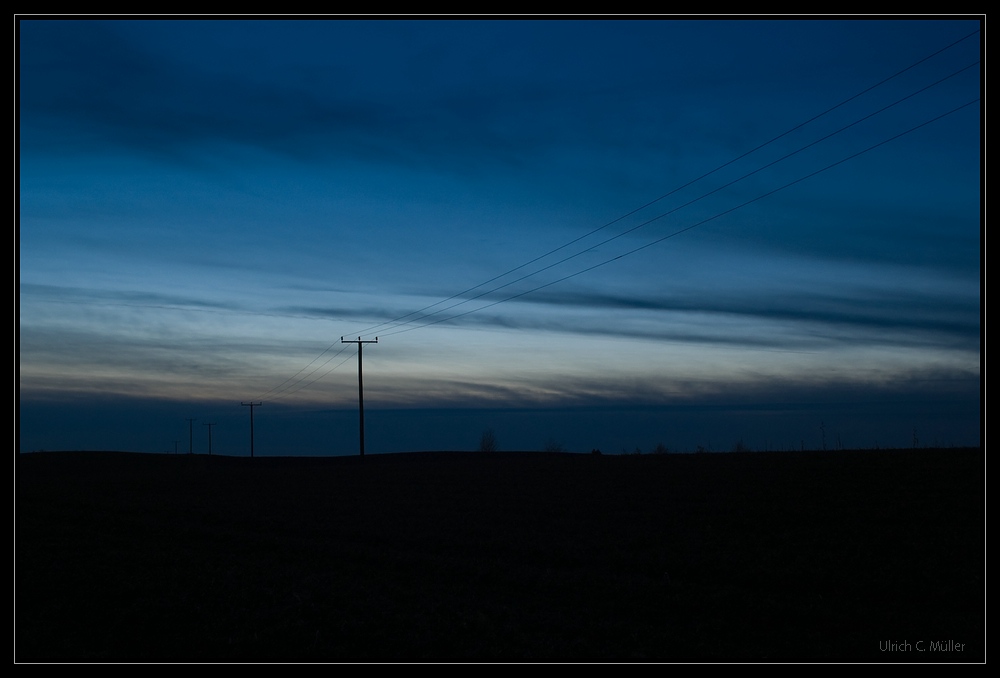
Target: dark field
pixel 809 556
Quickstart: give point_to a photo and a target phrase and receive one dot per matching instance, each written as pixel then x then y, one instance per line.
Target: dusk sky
pixel 596 233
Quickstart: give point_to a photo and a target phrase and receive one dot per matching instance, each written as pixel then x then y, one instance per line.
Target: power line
pixel 688 228
pixel 277 391
pixel 675 209
pixel 398 324
pixel 397 320
pixel 301 383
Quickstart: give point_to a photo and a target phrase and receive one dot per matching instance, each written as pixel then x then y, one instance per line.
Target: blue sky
pixel 595 232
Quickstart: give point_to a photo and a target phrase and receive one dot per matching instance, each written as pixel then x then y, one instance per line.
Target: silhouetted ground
pixel 806 556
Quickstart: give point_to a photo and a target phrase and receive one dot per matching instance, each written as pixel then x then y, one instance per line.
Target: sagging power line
pixel 401 324
pixel 398 321
pixel 680 231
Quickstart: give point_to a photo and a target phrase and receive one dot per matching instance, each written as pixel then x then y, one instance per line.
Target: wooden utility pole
pixel 361 386
pixel 209 437
pixel 251 405
pixel 190 436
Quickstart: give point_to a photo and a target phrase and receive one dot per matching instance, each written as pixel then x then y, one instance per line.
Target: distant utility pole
pixel 361 386
pixel 190 436
pixel 209 437
pixel 175 446
pixel 251 405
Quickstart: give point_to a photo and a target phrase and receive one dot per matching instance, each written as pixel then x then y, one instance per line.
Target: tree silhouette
pixel 488 441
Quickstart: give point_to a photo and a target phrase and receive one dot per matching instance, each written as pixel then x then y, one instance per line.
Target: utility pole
pixel 190 436
pixel 251 405
pixel 361 386
pixel 209 437
pixel 175 446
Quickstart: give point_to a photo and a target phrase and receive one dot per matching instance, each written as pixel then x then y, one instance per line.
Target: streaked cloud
pixel 539 214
